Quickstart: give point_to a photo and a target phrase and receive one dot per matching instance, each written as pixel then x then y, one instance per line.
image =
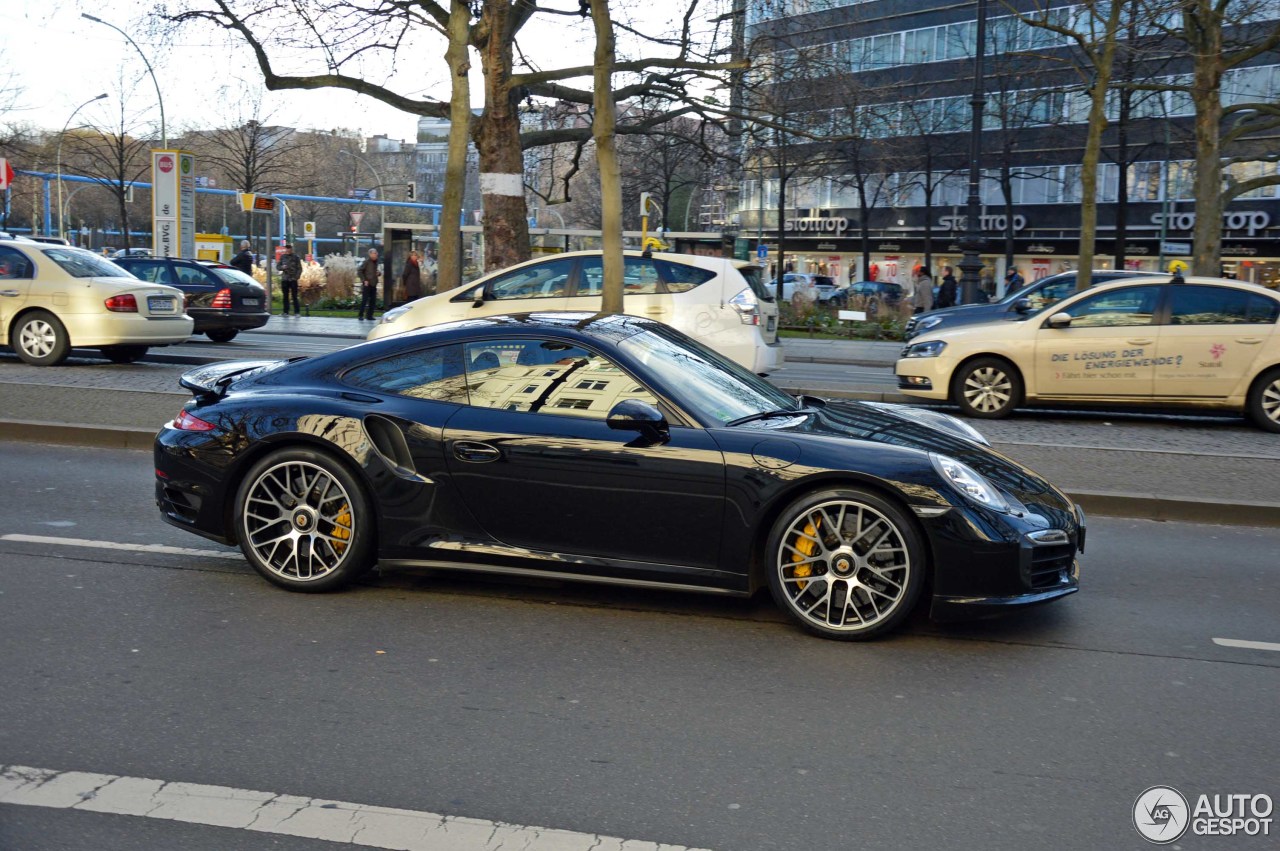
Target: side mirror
pixel 1022 305
pixel 1060 320
pixel 634 415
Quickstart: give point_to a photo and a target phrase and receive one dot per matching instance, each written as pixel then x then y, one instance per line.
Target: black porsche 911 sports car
pixel 610 449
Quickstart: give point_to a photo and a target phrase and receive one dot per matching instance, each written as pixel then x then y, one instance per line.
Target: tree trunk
pixel 1205 42
pixel 449 259
pixel 497 136
pixel 602 130
pixel 1103 62
pixel 124 217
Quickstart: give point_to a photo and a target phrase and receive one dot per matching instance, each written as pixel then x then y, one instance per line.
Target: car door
pixel 1213 338
pixel 1108 350
pixel 16 274
pixel 535 460
pixel 642 288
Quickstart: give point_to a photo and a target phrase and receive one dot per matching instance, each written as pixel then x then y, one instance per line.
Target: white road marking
pixel 1247 645
pixel 290 815
pixel 116 545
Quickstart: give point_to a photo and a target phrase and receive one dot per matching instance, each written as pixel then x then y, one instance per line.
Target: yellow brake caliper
pixel 804 548
pixel 342 527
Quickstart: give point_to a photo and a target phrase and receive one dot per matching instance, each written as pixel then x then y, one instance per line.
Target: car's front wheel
pixel 1263 405
pixel 40 339
pixel 226 335
pixel 845 563
pixel 988 388
pixel 304 522
pixel 123 354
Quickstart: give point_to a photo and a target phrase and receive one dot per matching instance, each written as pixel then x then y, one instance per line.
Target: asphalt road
pixel 661 717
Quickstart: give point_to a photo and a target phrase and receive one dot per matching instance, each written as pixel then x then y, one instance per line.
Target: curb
pixel 838 361
pixel 1138 506
pixel 855 395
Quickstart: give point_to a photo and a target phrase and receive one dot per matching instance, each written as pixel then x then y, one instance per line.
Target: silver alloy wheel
pixel 988 389
pixel 1271 401
pixel 37 338
pixel 844 565
pixel 299 520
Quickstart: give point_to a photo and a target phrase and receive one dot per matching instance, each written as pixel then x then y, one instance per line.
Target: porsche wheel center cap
pixel 303 520
pixel 842 565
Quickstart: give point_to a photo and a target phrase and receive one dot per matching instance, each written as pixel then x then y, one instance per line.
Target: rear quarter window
pixel 680 278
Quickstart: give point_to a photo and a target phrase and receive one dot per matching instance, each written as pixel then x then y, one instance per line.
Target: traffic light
pixel 411 190
pixel 353 228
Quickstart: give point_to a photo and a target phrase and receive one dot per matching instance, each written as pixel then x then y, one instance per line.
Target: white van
pixel 722 303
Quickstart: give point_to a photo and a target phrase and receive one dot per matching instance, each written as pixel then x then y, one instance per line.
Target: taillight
pixel 122 303
pixel 747 306
pixel 186 422
pixel 222 299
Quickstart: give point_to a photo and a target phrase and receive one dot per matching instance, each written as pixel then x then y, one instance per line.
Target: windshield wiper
pixel 767 415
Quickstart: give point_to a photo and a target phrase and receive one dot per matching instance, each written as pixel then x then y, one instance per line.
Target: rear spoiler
pixel 210 382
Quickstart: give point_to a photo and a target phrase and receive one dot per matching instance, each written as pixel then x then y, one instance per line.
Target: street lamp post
pixel 61 231
pixel 973 241
pixel 164 135
pixel 377 177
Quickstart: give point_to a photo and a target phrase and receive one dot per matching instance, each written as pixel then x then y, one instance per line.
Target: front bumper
pixel 925 378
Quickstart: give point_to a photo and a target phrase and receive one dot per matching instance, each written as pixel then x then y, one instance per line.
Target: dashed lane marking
pixel 116 545
pixel 291 815
pixel 1247 645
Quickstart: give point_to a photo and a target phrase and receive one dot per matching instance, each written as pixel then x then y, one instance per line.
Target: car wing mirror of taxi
pixel 481 297
pixel 1022 305
pixel 634 415
pixel 1060 320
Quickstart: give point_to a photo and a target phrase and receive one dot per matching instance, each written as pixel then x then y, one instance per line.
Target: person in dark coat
pixel 947 292
pixel 411 277
pixel 290 266
pixel 244 260
pixel 368 273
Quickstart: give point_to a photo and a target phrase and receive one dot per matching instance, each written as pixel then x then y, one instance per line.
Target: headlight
pixel 968 482
pixel 395 313
pixel 931 349
pixel 927 323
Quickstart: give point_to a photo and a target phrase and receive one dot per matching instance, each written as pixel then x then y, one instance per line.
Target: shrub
pixel 340 275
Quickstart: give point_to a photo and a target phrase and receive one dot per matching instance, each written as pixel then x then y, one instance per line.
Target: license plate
pixel 249 302
pixel 161 304
pixel 772 321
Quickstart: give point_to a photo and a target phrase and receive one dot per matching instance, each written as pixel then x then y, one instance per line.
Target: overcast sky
pixel 62 60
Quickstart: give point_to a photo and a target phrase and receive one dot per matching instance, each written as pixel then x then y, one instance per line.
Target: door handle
pixel 475 453
pixel 1140 342
pixel 1249 341
pixel 10 293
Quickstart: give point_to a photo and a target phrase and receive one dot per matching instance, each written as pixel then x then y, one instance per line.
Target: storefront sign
pixel 988 223
pixel 888 246
pixel 827 246
pixel 1039 248
pixel 1239 251
pixel 1249 221
pixel 815 224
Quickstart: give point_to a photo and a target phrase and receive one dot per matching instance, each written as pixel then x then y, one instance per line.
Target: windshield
pixel 713 388
pixel 231 276
pixel 79 263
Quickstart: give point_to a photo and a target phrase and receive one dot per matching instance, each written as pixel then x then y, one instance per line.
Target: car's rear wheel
pixel 123 354
pixel 987 388
pixel 304 522
pixel 226 335
pixel 845 563
pixel 40 339
pixel 1263 405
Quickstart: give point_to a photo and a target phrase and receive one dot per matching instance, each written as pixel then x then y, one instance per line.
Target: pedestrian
pixel 244 260
pixel 947 292
pixel 922 291
pixel 368 273
pixel 1012 280
pixel 411 277
pixel 290 266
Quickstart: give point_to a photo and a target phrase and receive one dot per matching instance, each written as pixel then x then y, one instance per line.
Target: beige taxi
pixel 1156 341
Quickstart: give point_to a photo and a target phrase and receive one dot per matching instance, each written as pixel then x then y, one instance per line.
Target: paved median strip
pixel 1246 645
pixel 116 545
pixel 291 815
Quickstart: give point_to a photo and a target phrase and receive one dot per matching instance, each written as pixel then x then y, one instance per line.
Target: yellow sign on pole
pixel 246 201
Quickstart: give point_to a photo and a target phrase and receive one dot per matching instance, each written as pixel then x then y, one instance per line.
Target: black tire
pixel 821 550
pixel 225 335
pixel 123 354
pixel 337 521
pixel 1263 404
pixel 987 388
pixel 40 339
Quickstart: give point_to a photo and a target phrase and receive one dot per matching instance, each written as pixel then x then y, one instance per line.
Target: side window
pixel 639 276
pixel 434 374
pixel 470 294
pixel 190 275
pixel 155 271
pixel 1116 308
pixel 547 376
pixel 1051 294
pixel 14 265
pixel 1191 305
pixel 1263 310
pixel 680 278
pixel 541 280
